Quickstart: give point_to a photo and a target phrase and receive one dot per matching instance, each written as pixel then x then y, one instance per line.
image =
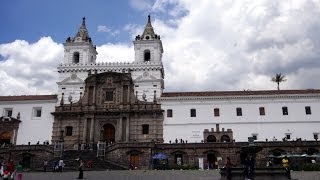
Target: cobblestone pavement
pixel 148 175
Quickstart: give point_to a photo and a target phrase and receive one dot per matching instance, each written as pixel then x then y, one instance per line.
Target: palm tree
pixel 278 79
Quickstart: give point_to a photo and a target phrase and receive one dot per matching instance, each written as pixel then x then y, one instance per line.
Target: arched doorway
pixel 5 137
pixel 109 133
pixel 211 158
pixel 211 138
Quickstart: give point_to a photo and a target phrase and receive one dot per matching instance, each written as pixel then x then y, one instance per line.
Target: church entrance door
pixel 109 133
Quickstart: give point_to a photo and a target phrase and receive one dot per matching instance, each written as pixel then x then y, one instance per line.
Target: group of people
pixel 10 171
pixel 57 166
pixel 249 167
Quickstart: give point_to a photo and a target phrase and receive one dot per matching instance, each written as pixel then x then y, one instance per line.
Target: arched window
pixel 211 138
pixel 225 138
pixel 147 55
pixel 76 57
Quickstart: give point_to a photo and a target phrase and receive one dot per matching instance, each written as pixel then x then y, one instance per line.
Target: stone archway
pixel 109 133
pixel 5 137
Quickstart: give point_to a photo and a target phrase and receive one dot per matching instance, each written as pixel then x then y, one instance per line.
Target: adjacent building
pixel 26 119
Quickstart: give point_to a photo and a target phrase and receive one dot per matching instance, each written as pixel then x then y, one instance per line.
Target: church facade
pixel 109 111
pixel 124 105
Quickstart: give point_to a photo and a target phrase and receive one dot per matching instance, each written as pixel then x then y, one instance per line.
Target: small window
pixel 216 112
pixel 308 110
pixel 285 110
pixel 193 112
pixel 154 85
pixel 81 87
pixel 63 88
pixel 239 112
pixel 76 57
pixel 147 55
pixel 145 129
pixel 288 136
pixel 69 130
pixel 37 111
pixel 169 112
pixel 262 111
pixel 8 112
pixel 109 95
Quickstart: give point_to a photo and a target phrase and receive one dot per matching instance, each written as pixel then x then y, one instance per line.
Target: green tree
pixel 278 79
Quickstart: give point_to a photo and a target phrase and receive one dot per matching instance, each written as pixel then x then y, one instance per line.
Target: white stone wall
pixel 273 124
pixel 32 129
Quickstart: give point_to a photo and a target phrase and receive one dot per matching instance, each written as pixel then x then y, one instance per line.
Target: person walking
pixel 45 165
pixel 61 165
pixel 285 164
pixel 19 171
pixel 229 168
pixel 80 169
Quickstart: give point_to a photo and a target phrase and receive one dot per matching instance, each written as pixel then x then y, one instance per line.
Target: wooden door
pixel 134 160
pixel 109 133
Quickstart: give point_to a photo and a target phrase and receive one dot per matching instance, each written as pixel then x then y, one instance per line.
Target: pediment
pixel 145 76
pixel 70 80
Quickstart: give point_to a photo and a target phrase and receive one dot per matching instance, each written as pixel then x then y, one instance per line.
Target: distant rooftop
pixel 240 93
pixel 28 97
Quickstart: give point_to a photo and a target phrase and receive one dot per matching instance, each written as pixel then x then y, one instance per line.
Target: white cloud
pixel 102 28
pixel 115 53
pixel 29 68
pixel 141 5
pixel 241 45
pixel 208 45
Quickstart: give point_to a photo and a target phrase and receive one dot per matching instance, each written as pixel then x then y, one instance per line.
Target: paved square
pixel 149 175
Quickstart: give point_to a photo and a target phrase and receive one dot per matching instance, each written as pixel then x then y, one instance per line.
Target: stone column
pixel 120 129
pixel 13 136
pixel 91 130
pixel 84 131
pixel 127 129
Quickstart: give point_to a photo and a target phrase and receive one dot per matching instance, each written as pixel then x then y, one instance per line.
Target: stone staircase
pixel 71 164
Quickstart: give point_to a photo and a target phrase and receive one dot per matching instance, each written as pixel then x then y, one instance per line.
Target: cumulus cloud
pixel 208 45
pixel 241 45
pixel 105 29
pixel 115 53
pixel 29 68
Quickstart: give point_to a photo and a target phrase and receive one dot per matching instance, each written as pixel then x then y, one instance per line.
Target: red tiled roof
pixel 28 97
pixel 240 93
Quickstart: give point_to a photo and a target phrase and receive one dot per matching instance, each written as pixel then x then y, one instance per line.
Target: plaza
pixel 154 174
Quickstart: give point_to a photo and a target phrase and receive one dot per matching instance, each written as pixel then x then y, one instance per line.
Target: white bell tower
pixel 148 78
pixel 79 52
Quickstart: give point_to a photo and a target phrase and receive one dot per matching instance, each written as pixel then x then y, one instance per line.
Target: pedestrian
pixel 11 168
pixel 6 175
pixel 1 169
pixel 285 164
pixel 45 165
pixel 247 168
pixel 229 168
pixel 80 169
pixel 61 165
pixel 19 171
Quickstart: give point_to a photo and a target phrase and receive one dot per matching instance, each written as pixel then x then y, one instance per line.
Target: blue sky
pixel 215 45
pixel 31 20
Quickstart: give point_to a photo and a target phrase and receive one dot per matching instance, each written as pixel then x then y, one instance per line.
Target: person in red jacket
pixel 11 168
